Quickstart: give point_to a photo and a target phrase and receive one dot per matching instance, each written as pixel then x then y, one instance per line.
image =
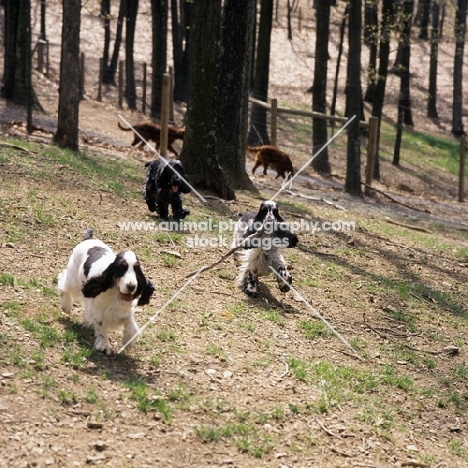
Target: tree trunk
pixel 233 90
pixel 12 8
pixel 354 100
pixel 105 14
pixel 254 47
pixel 371 35
pixel 432 99
pixel 130 86
pixel 42 38
pixel 319 97
pixel 370 22
pixel 422 18
pixel 199 150
pixel 384 53
pixel 460 33
pixel 111 69
pixel 405 49
pixel 338 59
pixel 159 14
pixel 398 136
pixel 17 64
pixel 180 72
pixel 69 94
pixel 258 133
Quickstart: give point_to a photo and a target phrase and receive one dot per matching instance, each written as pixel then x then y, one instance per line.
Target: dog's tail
pixel 125 129
pixel 88 234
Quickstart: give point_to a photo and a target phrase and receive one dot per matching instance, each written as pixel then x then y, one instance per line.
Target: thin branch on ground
pixel 394 200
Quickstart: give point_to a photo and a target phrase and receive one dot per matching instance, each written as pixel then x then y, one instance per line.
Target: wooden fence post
pixel 274 122
pixel 166 90
pixel 371 152
pixel 143 98
pixel 121 72
pixel 461 176
pixel 101 70
pixel 171 95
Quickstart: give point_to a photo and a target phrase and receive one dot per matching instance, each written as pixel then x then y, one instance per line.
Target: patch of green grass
pixel 166 334
pixel 246 437
pixel 460 372
pixel 43 332
pixel 313 329
pixel 180 395
pixel 155 360
pixel 389 376
pixel 170 260
pixel 92 396
pixel 6 279
pixel 76 356
pixel 145 402
pixel 37 360
pixel 458 448
pixel 215 350
pixel 298 368
pixel 66 397
pixel 12 308
pixel 168 237
pixel 43 217
pixel 37 285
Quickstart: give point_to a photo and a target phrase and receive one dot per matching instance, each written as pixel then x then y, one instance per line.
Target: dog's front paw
pixel 249 286
pixel 285 281
pixel 103 345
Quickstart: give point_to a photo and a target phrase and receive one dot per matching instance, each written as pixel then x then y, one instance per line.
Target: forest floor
pixel 220 379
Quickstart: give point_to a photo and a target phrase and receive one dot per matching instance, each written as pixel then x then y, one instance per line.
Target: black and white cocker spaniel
pixel 109 286
pixel 263 251
pixel 165 183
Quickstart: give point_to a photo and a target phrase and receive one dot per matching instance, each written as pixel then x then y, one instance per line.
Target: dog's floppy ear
pixel 183 186
pixel 150 186
pixel 99 284
pixel 288 238
pixel 145 288
pixel 146 293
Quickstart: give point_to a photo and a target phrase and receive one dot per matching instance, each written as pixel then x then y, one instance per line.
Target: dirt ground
pixel 219 379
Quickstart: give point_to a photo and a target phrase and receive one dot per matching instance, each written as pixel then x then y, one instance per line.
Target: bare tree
pixel 460 34
pixel 422 18
pixel 258 133
pixel 69 92
pixel 159 14
pixel 198 154
pixel 180 45
pixel 319 91
pixel 354 100
pixel 130 86
pixel 404 100
pixel 233 90
pixel 384 53
pixel 108 75
pixel 17 84
pixel 432 98
pixel 371 36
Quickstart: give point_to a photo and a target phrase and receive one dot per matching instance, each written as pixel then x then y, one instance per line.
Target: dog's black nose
pixel 131 287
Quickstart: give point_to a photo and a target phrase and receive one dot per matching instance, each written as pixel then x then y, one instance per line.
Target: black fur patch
pixel 94 254
pixel 161 178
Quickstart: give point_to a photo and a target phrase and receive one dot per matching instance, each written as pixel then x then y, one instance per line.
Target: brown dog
pixel 152 132
pixel 271 155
